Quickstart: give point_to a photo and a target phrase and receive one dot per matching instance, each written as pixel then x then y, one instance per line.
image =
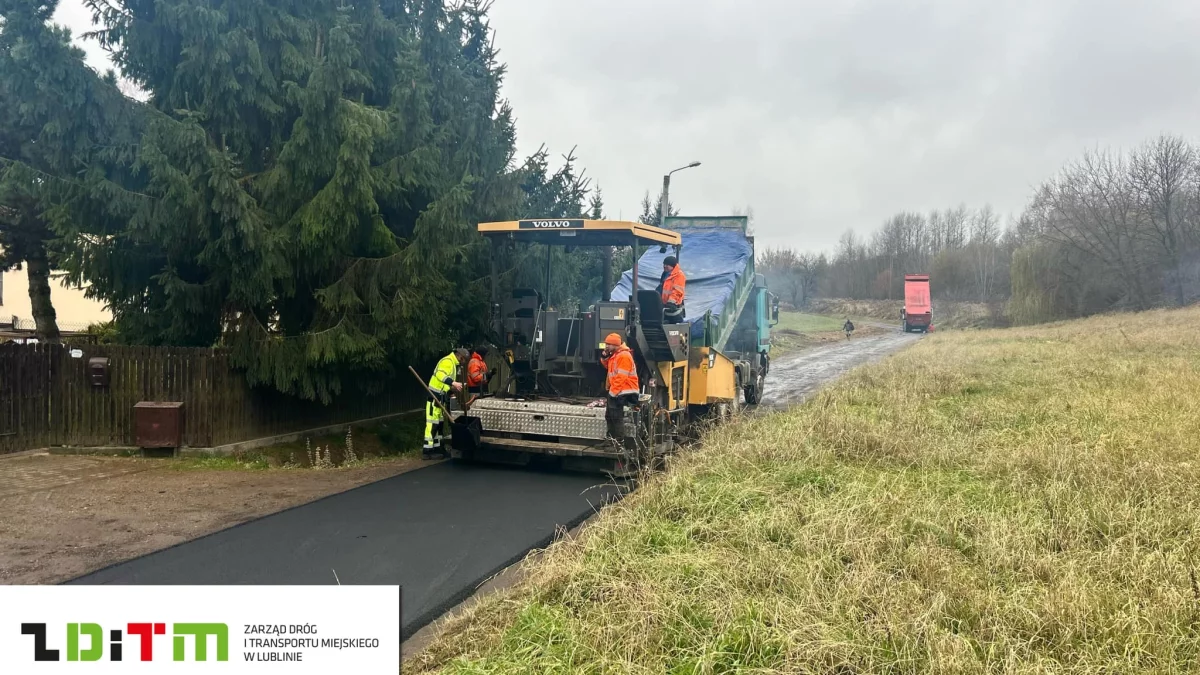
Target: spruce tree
pixel 62 130
pixel 561 194
pixel 315 170
pixel 652 210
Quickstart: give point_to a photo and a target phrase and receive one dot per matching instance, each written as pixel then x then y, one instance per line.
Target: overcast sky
pixel 830 115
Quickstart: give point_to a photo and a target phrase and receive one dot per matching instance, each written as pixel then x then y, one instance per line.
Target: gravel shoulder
pixel 795 377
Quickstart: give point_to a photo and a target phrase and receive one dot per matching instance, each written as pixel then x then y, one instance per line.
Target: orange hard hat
pixel 613 339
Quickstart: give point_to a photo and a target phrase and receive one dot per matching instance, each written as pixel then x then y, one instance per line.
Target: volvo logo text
pixel 550 224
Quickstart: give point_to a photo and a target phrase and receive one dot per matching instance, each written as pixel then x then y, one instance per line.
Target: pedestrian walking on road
pixel 622 384
pixel 848 328
pixel 444 381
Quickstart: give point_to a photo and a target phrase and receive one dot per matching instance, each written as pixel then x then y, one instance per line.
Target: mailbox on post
pixel 158 425
pixel 97 371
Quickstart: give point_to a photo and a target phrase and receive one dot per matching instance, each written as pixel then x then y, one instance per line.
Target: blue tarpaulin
pixel 712 258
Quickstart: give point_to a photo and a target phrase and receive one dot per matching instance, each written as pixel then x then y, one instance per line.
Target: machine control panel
pixel 613 312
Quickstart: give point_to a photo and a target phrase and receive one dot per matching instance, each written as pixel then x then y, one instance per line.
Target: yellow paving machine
pixel 547 398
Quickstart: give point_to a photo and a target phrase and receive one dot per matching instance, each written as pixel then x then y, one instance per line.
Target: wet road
pixel 437 532
pixel 794 378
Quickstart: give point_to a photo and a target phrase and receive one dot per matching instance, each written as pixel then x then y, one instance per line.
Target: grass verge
pixel 798 330
pixel 947 314
pixel 399 437
pixel 994 501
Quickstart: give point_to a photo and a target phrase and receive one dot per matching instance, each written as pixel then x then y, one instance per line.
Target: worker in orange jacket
pixel 622 384
pixel 477 371
pixel 671 287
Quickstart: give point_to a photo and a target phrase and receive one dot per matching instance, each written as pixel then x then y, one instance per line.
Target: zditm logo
pixel 94 635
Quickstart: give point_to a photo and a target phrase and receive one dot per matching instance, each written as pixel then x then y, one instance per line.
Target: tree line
pixel 298 182
pixel 1112 230
pixel 967 250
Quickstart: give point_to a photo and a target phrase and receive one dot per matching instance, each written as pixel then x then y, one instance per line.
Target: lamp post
pixel 662 207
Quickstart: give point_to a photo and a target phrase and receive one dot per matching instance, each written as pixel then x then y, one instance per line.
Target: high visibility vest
pixel 622 373
pixel 476 371
pixel 443 375
pixel 672 290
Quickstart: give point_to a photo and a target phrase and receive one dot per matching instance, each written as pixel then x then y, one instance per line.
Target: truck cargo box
pixel 918 308
pixel 717 257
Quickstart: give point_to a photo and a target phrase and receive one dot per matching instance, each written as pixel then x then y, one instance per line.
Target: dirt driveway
pixel 64 516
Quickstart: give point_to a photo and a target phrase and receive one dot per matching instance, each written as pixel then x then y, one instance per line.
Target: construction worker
pixel 477 371
pixel 671 288
pixel 622 384
pixel 443 382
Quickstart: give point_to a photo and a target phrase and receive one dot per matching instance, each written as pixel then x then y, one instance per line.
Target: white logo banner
pixel 191 629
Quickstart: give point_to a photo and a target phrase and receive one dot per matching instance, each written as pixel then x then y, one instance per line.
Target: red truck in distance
pixel 917 314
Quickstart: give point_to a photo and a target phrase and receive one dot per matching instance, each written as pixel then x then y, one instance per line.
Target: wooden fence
pixel 46 398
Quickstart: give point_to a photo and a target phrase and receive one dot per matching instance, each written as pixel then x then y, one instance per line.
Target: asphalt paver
pixel 437 532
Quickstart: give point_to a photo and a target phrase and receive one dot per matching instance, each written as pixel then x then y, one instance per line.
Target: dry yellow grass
pixel 947 314
pixel 1018 501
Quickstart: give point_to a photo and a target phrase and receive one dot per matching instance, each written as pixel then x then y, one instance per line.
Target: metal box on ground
pixel 158 424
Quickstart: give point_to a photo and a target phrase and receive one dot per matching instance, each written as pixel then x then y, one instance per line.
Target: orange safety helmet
pixel 613 339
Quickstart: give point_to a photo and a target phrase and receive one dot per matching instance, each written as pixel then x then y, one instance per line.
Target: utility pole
pixel 662 206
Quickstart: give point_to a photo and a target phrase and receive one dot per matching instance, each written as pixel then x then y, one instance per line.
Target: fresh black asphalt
pixel 437 532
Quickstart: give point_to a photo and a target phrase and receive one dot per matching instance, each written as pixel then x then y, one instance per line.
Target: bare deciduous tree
pixel 1092 207
pixel 1163 175
pixel 985 240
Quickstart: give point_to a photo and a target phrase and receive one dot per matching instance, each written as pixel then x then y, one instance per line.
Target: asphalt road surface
pixel 437 532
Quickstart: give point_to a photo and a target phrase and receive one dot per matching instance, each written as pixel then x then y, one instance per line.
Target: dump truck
pixel 917 314
pixel 547 400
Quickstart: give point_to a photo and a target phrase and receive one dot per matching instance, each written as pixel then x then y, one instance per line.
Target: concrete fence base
pixel 229 448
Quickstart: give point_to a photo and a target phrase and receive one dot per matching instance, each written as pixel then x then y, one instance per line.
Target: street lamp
pixel 662 207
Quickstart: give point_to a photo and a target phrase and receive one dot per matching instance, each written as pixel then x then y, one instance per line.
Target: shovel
pixel 433 394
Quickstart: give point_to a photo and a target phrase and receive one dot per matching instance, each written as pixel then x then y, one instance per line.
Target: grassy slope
pixel 396 438
pixel 797 330
pixel 997 501
pixel 947 314
pixel 808 323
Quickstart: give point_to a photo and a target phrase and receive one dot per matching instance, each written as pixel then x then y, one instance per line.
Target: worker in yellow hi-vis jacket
pixel 444 381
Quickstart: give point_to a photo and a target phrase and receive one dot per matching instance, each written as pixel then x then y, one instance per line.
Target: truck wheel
pixel 754 391
pixel 738 391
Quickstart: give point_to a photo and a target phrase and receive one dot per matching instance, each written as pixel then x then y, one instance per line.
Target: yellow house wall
pixel 75 312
